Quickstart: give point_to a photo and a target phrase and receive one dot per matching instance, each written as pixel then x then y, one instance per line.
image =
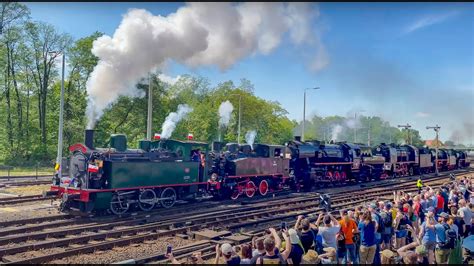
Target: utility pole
pixel 355 127
pixel 407 128
pixel 304 111
pixel 150 110
pixel 368 134
pixel 59 158
pixel 240 116
pixel 436 129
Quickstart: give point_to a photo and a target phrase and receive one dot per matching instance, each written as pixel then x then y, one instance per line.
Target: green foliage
pixel 324 128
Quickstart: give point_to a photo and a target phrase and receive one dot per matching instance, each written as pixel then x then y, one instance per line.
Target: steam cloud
pixel 197 34
pixel 225 110
pixel 173 118
pixel 250 137
pixel 336 130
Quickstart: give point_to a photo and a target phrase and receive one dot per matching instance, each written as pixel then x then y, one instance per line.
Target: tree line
pixel 30 53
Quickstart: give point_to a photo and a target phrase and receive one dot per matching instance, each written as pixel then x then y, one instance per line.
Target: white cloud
pixel 168 79
pixel 422 114
pixel 430 20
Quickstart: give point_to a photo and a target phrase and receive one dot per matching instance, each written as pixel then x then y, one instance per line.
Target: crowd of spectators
pixel 425 227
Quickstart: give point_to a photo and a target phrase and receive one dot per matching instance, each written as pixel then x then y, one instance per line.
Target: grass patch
pixel 27 171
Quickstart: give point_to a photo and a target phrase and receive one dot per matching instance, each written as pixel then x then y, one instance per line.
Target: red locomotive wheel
pixel 343 176
pixel 250 189
pixel 236 192
pixel 263 187
pixel 337 176
pixel 329 176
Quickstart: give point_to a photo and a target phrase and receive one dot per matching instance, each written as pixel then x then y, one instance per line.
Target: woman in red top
pixel 416 213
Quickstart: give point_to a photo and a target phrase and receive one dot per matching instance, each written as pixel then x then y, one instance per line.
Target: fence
pixel 36 170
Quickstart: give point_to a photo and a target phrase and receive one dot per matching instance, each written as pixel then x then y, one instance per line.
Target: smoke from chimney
pixel 225 110
pixel 173 118
pixel 336 130
pixel 198 34
pixel 250 137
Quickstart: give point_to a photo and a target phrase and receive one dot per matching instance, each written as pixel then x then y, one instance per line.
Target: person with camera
pixel 271 244
pixel 413 253
pixel 307 232
pixel 328 230
pixel 228 253
pixel 400 224
pixel 348 228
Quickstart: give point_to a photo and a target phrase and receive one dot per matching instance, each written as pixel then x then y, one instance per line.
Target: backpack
pixel 386 220
pixel 451 238
pixel 381 227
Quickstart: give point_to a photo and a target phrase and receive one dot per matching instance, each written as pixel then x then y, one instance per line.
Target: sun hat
pixel 311 257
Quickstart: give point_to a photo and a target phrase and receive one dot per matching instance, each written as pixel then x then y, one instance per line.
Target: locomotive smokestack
pixel 89 138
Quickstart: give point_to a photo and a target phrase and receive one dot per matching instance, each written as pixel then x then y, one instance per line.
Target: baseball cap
pixel 226 249
pixel 431 209
pixel 388 205
pixel 372 205
pixel 444 215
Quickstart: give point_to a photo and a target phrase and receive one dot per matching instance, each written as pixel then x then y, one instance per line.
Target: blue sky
pixel 406 62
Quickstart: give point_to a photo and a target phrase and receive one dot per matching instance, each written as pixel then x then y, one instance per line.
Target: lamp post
pixel 58 167
pixel 240 116
pixel 150 110
pixel 407 127
pixel 436 129
pixel 304 111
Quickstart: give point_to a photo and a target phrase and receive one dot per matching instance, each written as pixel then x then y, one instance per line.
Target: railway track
pixel 34 177
pixel 25 183
pixel 208 250
pixel 23 199
pixel 87 235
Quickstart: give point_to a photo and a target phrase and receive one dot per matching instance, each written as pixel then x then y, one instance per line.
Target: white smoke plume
pixel 250 137
pixel 173 118
pixel 197 34
pixel 336 130
pixel 168 79
pixel 225 110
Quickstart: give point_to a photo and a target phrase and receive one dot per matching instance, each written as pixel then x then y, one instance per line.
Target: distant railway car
pixel 462 160
pixel 452 160
pixel 425 161
pixel 443 158
pixel 316 164
pixel 371 165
